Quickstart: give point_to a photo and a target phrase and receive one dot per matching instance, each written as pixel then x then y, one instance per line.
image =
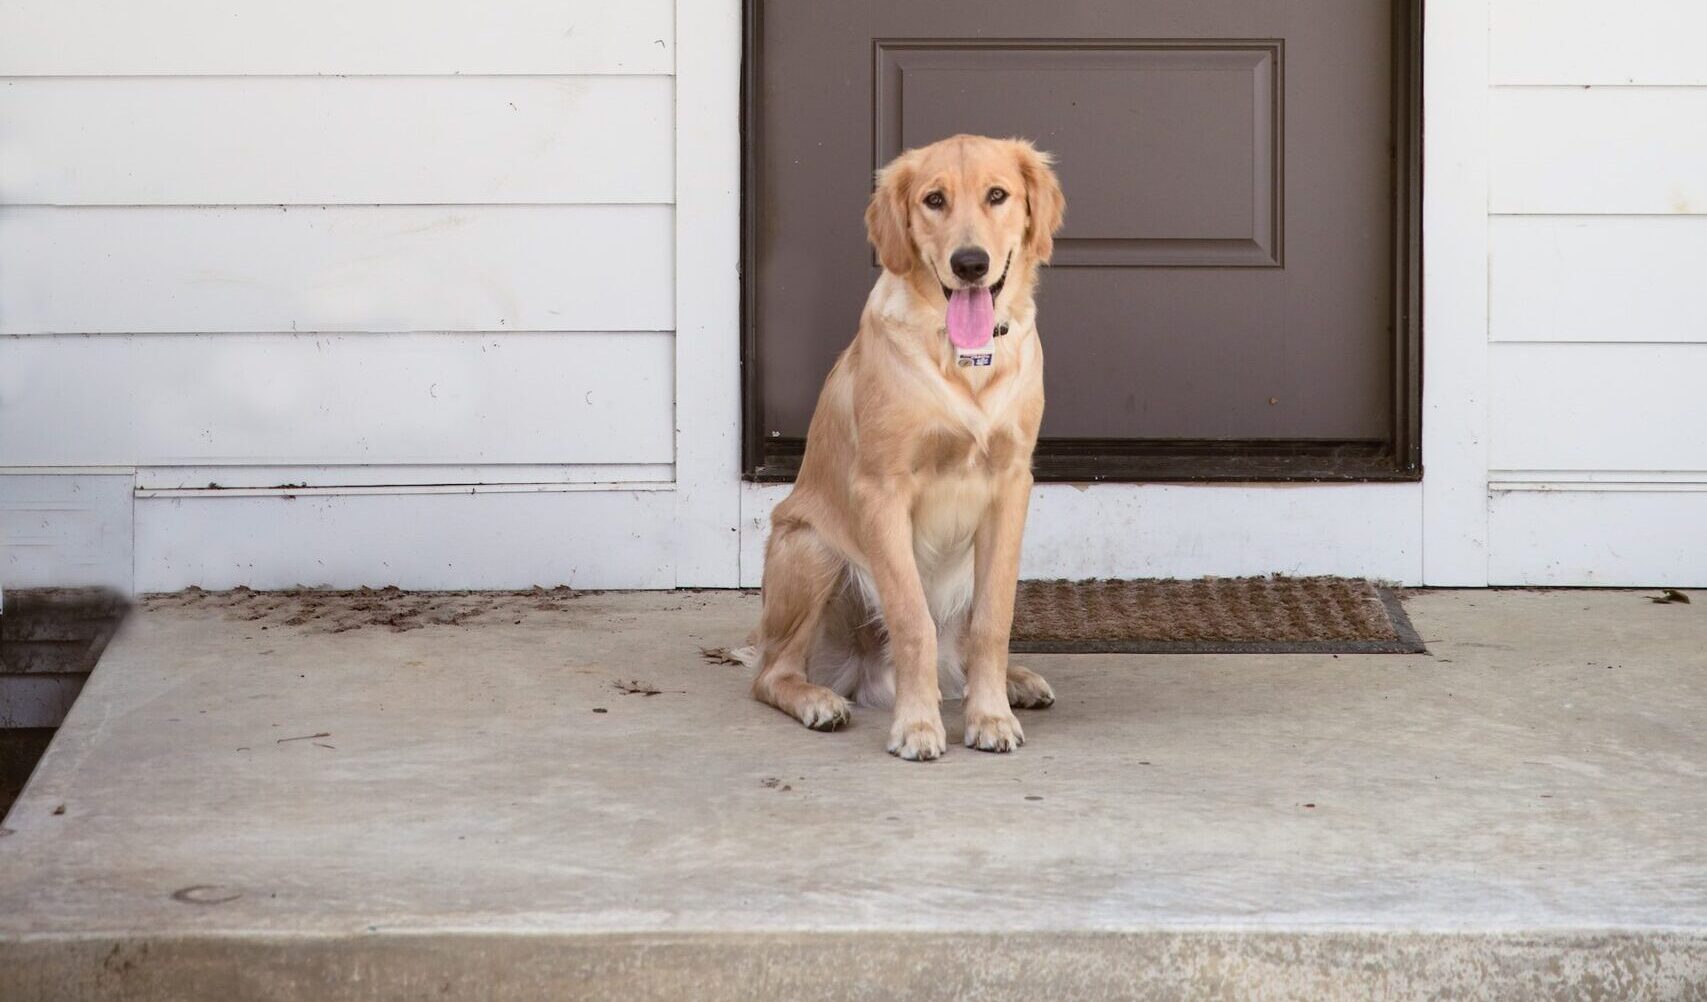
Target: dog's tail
pixel 748 655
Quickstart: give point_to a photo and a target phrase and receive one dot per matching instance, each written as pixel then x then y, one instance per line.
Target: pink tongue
pixel 971 317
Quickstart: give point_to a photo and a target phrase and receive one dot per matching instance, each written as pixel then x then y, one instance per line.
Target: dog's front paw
pixel 823 710
pixel 995 732
pixel 918 740
pixel 1027 689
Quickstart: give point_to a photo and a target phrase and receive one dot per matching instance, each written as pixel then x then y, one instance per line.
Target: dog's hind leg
pixel 800 572
pixel 1027 689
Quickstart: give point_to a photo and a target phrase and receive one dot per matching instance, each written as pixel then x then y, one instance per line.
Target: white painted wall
pixel 443 293
pixel 1597 302
pixel 368 293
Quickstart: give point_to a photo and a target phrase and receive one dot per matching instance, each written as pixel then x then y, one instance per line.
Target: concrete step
pixel 256 800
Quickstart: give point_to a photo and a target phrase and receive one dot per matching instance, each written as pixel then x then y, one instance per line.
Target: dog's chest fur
pixel 967 429
pixel 962 459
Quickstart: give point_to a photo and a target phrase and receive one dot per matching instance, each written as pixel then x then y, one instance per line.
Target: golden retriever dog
pixel 891 567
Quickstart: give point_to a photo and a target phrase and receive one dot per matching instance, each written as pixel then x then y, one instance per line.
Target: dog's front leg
pixel 886 528
pixel 990 723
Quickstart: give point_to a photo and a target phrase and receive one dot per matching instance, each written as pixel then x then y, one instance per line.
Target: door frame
pixel 1398 457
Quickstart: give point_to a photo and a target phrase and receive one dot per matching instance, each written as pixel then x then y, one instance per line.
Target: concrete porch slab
pixel 282 813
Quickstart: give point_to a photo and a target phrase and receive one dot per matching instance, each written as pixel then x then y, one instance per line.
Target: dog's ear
pixel 1042 197
pixel 886 216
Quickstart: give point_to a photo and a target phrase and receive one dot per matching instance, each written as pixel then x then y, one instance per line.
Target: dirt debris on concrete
pixel 635 687
pixel 328 611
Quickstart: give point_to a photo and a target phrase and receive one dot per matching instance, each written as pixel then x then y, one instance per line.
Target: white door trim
pixel 1455 293
pixel 708 299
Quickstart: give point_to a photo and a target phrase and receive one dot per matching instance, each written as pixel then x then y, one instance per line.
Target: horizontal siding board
pixel 250 477
pixel 279 399
pixel 216 37
pixel 1629 407
pixel 584 539
pixel 1598 150
pixel 1597 42
pixel 1598 278
pixel 343 268
pixel 337 140
pixel 1604 538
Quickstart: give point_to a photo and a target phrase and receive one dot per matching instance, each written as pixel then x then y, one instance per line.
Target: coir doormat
pixel 1279 615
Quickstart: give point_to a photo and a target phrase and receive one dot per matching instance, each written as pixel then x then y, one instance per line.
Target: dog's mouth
pixel 995 288
pixel 972 310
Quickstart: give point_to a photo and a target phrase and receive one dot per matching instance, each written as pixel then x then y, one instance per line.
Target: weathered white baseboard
pixel 91 528
pixel 1638 538
pixel 584 539
pixel 1187 531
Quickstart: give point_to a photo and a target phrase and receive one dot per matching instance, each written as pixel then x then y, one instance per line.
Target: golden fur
pixel 897 552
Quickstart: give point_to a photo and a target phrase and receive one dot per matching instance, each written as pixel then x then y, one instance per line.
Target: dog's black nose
pixel 969 264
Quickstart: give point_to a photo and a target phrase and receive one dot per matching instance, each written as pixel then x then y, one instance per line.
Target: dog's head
pixel 967 208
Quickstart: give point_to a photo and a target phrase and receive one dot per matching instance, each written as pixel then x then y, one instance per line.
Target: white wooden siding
pixel 160 400
pixel 1598 245
pixel 338 268
pixel 419 255
pixel 1594 42
pixel 1599 407
pixel 1610 538
pixel 1598 278
pixel 336 140
pixel 310 37
pixel 1636 150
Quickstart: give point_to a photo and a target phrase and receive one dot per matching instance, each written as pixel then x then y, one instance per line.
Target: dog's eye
pixel 935 200
pixel 997 196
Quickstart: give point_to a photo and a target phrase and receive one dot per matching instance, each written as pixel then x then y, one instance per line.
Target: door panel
pixel 1207 132
pixel 1225 284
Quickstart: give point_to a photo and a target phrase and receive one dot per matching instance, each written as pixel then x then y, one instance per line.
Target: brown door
pixel 1231 296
